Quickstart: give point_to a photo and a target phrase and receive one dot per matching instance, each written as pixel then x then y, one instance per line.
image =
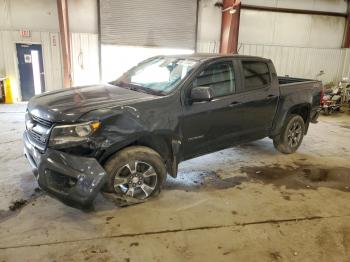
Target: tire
pixel 291 135
pixel 137 172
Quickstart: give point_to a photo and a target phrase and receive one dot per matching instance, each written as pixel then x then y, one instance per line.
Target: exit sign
pixel 25 33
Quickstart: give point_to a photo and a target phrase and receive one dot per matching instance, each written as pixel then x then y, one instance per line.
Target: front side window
pixel 219 76
pixel 256 75
pixel 159 75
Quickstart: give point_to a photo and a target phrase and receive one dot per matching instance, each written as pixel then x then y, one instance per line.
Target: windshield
pixel 157 75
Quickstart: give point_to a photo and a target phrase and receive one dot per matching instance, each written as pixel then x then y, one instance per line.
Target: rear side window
pixel 256 75
pixel 219 76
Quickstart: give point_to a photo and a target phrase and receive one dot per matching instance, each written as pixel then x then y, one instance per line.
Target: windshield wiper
pixel 136 88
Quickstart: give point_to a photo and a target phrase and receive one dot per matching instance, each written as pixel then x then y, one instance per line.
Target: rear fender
pixel 300 109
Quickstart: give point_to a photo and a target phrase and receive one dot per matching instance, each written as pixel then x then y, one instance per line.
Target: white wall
pixel 85 59
pixel 275 28
pixel 38 15
pixel 303 62
pixel 209 27
pixel 300 45
pixel 2 60
pixel 346 64
pixel 83 16
pixel 286 29
pixel 51 56
pixel 41 15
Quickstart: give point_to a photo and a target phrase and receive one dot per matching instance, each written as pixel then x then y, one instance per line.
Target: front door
pixel 209 126
pixel 31 70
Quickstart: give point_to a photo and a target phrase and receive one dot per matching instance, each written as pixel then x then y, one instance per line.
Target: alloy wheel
pixel 294 134
pixel 136 179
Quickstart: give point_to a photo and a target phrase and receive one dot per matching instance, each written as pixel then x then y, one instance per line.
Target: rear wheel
pixel 291 136
pixel 137 172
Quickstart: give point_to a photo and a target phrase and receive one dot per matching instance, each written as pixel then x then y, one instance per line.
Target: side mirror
pixel 201 94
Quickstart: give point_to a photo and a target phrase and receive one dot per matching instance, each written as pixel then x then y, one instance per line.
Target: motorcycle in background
pixel 345 84
pixel 335 97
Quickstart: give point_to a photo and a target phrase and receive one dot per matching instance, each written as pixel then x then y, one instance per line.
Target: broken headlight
pixel 73 134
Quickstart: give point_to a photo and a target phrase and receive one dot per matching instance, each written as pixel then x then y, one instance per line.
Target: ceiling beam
pixel 62 9
pixel 292 11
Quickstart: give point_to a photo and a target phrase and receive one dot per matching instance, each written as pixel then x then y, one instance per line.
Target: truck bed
pixel 301 87
pixel 285 80
pixel 300 91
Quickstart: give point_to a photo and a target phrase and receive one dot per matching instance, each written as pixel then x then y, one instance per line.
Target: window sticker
pixel 27 58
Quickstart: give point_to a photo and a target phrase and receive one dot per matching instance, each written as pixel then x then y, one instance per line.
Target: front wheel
pixel 291 135
pixel 137 172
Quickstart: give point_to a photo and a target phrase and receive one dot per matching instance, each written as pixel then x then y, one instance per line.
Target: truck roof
pixel 208 56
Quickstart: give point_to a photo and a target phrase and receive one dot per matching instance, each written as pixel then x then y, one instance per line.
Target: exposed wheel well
pixel 303 111
pixel 160 144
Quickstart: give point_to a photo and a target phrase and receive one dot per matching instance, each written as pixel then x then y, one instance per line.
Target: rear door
pixel 258 94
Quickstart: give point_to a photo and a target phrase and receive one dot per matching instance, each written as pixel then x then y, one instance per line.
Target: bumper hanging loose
pixel 70 178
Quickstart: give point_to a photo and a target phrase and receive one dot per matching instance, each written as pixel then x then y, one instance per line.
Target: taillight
pixel 321 98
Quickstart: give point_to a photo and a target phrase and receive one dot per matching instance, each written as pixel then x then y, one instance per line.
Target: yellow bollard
pixel 8 92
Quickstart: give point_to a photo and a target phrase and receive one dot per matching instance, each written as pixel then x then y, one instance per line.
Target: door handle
pixel 271 95
pixel 234 103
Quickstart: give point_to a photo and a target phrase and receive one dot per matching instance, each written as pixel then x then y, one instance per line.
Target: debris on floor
pixel 122 201
pixel 15 205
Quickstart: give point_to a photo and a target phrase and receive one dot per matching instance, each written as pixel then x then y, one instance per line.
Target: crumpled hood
pixel 68 105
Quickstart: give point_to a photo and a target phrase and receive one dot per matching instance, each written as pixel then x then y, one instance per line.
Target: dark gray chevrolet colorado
pixel 126 136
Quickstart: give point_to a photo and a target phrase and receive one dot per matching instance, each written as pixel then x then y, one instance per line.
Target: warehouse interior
pixel 243 203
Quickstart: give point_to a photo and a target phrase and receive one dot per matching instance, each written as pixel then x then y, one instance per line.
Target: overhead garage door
pixel 156 23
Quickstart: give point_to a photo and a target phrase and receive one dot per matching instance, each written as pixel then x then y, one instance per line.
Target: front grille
pixel 38 131
pixel 41 121
pixel 38 137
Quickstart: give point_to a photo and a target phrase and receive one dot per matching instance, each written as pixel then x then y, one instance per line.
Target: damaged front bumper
pixel 71 178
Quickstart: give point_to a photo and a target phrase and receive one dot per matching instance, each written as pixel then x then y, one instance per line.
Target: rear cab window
pixel 256 75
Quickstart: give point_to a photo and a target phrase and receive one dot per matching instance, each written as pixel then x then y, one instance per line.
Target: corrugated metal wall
pixel 303 62
pixel 156 23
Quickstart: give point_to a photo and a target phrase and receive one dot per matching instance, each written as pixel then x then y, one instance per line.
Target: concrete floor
pixel 248 203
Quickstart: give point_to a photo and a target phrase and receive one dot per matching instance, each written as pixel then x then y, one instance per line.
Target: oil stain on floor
pixel 301 176
pixel 296 176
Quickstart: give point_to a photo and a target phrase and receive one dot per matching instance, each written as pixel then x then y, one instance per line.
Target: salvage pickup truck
pixel 126 136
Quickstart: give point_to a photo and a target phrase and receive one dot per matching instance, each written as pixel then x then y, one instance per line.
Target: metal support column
pixel 62 8
pixel 230 26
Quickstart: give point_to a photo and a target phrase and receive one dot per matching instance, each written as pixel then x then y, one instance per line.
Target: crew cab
pixel 126 136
